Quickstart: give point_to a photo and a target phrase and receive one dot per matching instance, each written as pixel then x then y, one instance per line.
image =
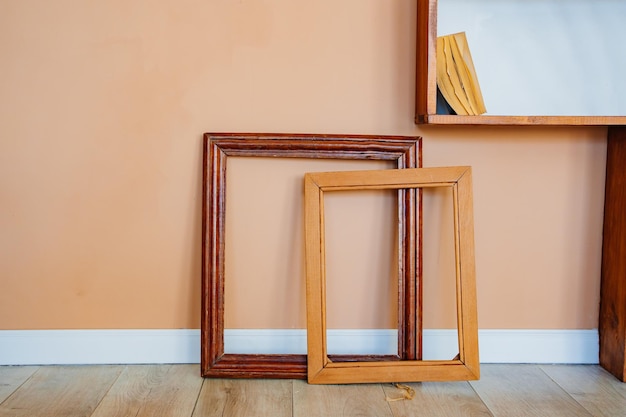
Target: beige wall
pixel 102 109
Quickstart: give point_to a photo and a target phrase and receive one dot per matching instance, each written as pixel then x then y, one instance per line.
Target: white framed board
pixel 544 57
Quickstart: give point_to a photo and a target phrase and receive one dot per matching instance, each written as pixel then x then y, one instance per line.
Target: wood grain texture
pixel 426 81
pixel 519 390
pixel 441 119
pixel 339 400
pixel 405 151
pixel 242 398
pixel 173 390
pixel 450 399
pixel 321 370
pixel 612 318
pixel 12 377
pixel 467 309
pixel 594 388
pixel 175 394
pixel 152 390
pixel 61 391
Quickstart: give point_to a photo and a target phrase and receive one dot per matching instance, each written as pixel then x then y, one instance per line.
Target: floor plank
pixel 245 397
pixel 524 390
pixel 61 391
pixel 339 400
pixel 594 388
pixel 178 390
pixel 450 399
pixel 152 390
pixel 11 377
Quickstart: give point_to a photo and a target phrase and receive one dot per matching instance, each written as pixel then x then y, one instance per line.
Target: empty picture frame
pixel 404 151
pixel 321 369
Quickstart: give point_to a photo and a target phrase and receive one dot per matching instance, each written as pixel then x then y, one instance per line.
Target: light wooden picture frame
pixel 404 151
pixel 321 369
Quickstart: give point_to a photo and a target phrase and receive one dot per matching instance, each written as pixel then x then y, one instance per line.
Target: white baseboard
pixel 345 341
pixel 46 347
pixel 539 346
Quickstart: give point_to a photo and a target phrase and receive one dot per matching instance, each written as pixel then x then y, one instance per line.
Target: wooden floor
pixel 178 390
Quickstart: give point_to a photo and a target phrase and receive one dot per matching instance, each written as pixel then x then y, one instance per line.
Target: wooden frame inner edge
pixel 217 147
pixel 321 370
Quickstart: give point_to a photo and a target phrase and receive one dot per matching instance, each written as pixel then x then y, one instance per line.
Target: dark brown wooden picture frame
pixel 405 151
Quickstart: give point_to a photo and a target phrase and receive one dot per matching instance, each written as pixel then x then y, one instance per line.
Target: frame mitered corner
pixel 467 367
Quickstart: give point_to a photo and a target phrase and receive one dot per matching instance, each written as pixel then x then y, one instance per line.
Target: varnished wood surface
pixel 405 151
pixel 446 119
pixel 178 390
pixel 612 317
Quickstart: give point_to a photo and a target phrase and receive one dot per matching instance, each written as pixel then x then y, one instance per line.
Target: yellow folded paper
pixel 456 76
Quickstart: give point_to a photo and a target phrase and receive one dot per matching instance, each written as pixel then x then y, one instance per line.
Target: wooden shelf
pixel 440 119
pixel 426 87
pixel 612 321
